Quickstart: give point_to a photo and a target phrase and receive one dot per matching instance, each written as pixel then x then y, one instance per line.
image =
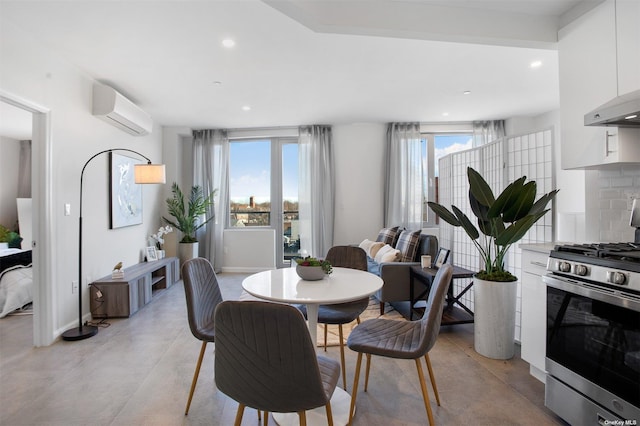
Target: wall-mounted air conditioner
pixel 114 108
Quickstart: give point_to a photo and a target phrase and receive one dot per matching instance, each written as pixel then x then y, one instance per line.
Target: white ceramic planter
pixel 187 251
pixel 494 318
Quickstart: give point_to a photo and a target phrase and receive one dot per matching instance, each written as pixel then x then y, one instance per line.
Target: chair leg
pixel 266 417
pixel 195 377
pixel 354 391
pixel 326 327
pixel 432 378
pixel 239 414
pixel 303 418
pixel 344 370
pixel 358 319
pixel 329 414
pixel 366 376
pixel 381 308
pixel 425 392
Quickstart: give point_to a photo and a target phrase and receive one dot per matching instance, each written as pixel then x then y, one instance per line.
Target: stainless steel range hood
pixel 623 111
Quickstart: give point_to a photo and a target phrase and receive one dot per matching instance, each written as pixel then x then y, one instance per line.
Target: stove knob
pixel 616 277
pixel 581 270
pixel 564 267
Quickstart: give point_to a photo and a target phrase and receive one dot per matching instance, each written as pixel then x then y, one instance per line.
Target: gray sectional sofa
pixel 396 275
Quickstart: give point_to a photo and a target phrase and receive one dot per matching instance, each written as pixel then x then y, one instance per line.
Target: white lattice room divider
pixel 500 163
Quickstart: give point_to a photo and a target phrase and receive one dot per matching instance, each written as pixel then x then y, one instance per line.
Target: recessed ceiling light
pixel 228 43
pixel 466 92
pixel 536 64
pixel 445 114
pixel 246 108
pixel 217 83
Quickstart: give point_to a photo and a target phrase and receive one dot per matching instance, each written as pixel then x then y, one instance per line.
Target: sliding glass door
pixel 263 190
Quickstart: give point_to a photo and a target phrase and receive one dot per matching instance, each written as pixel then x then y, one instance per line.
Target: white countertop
pixel 540 247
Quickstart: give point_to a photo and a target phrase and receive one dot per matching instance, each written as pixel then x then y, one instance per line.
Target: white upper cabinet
pixel 628 39
pixel 599 59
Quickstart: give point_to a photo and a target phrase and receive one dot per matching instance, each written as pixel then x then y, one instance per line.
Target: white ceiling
pixel 303 62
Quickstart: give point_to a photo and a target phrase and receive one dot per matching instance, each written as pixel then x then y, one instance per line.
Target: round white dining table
pixel 285 286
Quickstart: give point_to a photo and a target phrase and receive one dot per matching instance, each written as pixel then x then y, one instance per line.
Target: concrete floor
pixel 138 371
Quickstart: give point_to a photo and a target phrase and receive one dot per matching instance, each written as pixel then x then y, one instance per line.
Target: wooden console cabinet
pixel 141 283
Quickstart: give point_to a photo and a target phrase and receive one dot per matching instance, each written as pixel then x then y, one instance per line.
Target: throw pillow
pixel 375 247
pixel 388 236
pixel 366 245
pixel 386 254
pixel 408 245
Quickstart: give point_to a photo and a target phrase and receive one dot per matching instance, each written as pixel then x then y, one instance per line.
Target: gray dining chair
pixel 403 339
pixel 265 360
pixel 342 313
pixel 203 296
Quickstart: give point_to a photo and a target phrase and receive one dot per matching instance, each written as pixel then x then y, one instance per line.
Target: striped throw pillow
pixel 408 245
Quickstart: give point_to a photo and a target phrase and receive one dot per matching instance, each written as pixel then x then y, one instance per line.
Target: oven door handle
pixel 613 297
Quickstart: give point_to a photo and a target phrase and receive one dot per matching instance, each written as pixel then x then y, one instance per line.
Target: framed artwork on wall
pixel 125 195
pixel 441 258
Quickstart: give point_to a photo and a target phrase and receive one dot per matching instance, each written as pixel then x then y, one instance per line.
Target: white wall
pixel 32 72
pixel 609 209
pixel 249 250
pixel 359 159
pixel 173 153
pixel 9 161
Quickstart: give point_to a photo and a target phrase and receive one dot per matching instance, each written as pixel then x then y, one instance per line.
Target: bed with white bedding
pixel 16 280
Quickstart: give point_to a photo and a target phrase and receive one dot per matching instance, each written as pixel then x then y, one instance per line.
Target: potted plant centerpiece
pixel 188 217
pixel 502 221
pixel 312 269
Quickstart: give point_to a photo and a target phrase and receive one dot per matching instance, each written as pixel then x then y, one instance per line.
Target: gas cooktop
pixel 616 264
pixel 615 251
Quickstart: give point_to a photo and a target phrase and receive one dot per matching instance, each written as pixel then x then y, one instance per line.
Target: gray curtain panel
pixel 316 187
pixel 24 170
pixel 487 131
pixel 403 176
pixel 210 155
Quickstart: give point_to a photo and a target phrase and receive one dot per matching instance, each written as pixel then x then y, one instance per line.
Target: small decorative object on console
pixel 152 254
pixel 117 273
pixel 312 269
pixel 158 236
pixel 441 258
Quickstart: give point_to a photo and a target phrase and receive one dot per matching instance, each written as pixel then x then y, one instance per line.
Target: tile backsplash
pixel 616 189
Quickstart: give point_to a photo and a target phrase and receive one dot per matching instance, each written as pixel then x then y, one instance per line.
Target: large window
pixel 263 190
pixel 250 183
pixel 434 147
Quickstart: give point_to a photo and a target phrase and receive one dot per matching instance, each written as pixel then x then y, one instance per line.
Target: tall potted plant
pixel 188 217
pixel 502 221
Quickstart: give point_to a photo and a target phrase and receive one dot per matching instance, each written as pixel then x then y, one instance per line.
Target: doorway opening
pixel 40 244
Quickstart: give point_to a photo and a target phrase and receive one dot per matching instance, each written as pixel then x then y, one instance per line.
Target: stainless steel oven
pixel 593 335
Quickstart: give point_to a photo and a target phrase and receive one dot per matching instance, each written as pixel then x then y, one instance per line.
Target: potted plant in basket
pixel 312 269
pixel 502 221
pixel 188 218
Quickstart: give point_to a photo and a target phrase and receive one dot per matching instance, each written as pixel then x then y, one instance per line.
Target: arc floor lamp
pixel 143 174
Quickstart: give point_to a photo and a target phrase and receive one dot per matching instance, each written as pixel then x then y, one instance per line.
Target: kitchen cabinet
pixel 599 59
pixel 533 335
pixel 628 38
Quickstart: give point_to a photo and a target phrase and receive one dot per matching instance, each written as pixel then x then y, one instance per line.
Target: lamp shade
pixel 149 173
